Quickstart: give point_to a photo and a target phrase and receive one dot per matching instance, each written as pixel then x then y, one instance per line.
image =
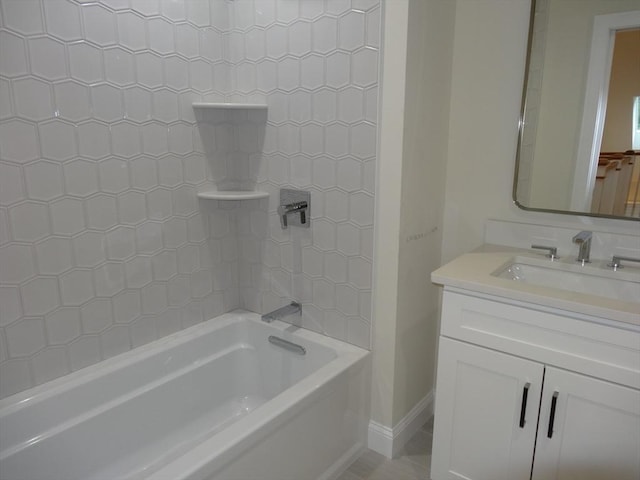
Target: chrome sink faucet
pixel 292 309
pixel 583 239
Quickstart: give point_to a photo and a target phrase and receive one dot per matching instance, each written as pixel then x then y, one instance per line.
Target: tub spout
pixel 294 308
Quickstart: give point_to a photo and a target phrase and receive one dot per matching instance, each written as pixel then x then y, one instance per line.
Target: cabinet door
pixel 478 433
pixel 594 433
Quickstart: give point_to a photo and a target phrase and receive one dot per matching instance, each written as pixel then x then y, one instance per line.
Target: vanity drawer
pixel 552 337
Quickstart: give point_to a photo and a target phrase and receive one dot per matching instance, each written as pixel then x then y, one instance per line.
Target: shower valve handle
pixel 296 207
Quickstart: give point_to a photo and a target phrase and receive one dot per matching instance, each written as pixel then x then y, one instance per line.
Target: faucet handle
pixel 295 207
pixel 553 251
pixel 616 261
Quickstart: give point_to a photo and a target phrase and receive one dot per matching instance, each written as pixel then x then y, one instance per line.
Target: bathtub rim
pixel 41 392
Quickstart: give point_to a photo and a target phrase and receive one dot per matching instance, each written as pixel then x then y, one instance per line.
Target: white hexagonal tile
pixel 312 72
pixel 23 17
pixel 32 99
pixel 299 38
pixel 366 242
pixel 10 307
pixel 154 139
pixel 14 58
pixel 149 70
pixel 325 34
pixel 323 294
pixel 43 180
pixel 89 249
pixel 57 140
pixel 351 105
pixel 186 40
pixel 349 174
pixel 176 72
pixel 267 76
pixel 120 243
pixel 312 261
pixel 18 263
pixel 161 36
pixel 125 139
pixel 311 10
pixel 288 74
pixel 149 237
pixel 300 107
pixel 39 296
pixel 127 307
pixel 67 216
pixel 29 221
pixel 363 140
pixel 11 184
pixel 93 140
pixel 335 267
pixel 25 337
pixel 337 69
pixel 324 172
pixel 176 11
pixel 347 299
pixel 181 139
pixel 255 44
pixel 63 325
pixel 115 340
pixel 178 290
pixel 144 174
pixel 201 75
pixel 246 78
pixel 361 209
pixel 364 67
pixel 114 175
pixel 360 272
pixel 185 202
pixel 96 316
pixel 137 104
pixel 85 62
pixel 18 141
pixel 159 204
pixel 138 272
pixel 352 29
pixel 348 239
pixel 198 13
pixel 6 95
pixel 45 55
pixel 131 31
pixel 4 226
pixel 336 205
pixel 324 234
pixel 84 351
pixel 80 178
pixel 170 171
pixel 165 106
pixel 117 4
pixel 99 25
pixel 119 66
pixel 107 103
pixel 174 232
pixel 131 208
pixel 101 212
pixel 154 299
pixel 371 104
pixel 276 41
pixel 72 101
pixel 324 105
pixel 109 279
pixel 300 171
pixel 164 265
pixel 337 140
pixel 312 139
pixel 76 287
pixel 63 20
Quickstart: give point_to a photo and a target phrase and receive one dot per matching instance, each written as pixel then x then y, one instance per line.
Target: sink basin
pixel 591 280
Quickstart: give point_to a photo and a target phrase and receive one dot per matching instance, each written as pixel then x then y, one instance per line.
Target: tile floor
pixel 413 463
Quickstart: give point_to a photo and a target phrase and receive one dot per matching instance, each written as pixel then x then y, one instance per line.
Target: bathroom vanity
pixel 538 369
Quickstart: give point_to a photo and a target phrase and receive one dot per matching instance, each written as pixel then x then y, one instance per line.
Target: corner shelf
pixel 232 195
pixel 230 106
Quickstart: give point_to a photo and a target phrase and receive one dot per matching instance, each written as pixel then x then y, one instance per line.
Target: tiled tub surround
pixel 103 244
pixel 242 398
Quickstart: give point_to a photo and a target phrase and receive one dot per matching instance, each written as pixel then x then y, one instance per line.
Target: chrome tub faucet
pixel 583 239
pixel 294 308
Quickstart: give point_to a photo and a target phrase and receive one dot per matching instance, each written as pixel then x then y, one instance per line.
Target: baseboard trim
pixel 389 441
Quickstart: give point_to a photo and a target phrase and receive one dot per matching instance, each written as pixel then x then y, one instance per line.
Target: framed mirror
pixel 579 132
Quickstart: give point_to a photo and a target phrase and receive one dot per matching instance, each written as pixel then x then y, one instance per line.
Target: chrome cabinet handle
pixel 552 414
pixel 523 406
pixel 616 261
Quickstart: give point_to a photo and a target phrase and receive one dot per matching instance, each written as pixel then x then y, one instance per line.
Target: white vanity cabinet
pixel 528 392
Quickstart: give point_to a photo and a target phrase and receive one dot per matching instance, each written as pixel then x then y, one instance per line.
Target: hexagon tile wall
pixel 103 243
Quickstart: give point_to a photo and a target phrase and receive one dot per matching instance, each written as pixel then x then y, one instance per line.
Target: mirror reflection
pixel 579 140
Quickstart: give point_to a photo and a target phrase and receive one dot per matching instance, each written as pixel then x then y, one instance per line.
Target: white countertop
pixel 473 271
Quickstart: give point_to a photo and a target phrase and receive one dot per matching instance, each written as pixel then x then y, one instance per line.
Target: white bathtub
pixel 217 401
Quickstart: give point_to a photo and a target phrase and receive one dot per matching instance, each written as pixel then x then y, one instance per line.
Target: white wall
pixel 414 124
pixel 488 65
